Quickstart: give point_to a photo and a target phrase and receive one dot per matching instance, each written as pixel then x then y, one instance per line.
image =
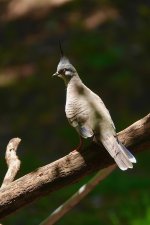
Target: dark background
pixel 108 42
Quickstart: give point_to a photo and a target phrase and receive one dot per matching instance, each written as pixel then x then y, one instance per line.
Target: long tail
pixel 118 151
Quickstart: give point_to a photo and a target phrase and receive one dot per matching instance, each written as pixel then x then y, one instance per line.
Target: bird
pixel 87 113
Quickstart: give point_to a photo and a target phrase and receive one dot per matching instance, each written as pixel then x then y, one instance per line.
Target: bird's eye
pixel 61 71
pixel 66 69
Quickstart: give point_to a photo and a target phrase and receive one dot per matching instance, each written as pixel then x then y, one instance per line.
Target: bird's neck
pixel 74 87
pixel 74 81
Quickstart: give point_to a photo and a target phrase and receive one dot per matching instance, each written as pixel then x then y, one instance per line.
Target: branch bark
pixel 12 161
pixel 69 169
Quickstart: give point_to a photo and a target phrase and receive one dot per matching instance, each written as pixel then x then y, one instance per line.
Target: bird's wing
pixel 84 131
pixel 98 107
pixel 104 112
pixel 80 123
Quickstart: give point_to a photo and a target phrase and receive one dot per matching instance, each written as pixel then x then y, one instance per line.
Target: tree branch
pixel 69 169
pixel 12 161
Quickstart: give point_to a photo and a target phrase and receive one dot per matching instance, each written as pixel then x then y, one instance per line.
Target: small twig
pixel 12 161
pixel 78 196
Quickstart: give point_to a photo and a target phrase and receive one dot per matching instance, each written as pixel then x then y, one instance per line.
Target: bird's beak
pixel 55 74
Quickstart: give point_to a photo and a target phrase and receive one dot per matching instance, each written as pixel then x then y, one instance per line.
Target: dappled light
pixel 97 18
pixel 15 9
pixel 13 74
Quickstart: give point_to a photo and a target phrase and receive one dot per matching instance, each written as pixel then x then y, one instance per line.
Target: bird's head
pixel 65 69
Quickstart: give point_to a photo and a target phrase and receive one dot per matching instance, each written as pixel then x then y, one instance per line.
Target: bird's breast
pixel 75 108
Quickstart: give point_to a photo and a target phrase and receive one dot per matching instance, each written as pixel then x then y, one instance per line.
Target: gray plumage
pixel 87 113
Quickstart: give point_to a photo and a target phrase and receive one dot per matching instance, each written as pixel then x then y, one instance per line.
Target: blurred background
pixel 109 44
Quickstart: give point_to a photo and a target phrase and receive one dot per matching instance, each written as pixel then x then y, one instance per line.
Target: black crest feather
pixel 61 50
